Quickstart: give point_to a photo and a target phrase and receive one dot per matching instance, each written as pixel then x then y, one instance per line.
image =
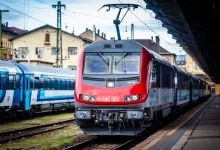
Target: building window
pixel 23 50
pixel 47 37
pixel 72 67
pixel 39 50
pixel 72 50
pixel 54 51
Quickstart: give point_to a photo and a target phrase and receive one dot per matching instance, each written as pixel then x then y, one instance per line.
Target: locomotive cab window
pixel 112 63
pixel 97 64
pixel 126 64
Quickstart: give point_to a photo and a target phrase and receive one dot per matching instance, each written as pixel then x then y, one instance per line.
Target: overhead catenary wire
pixel 23 13
pixel 28 4
pixel 148 27
pixel 86 15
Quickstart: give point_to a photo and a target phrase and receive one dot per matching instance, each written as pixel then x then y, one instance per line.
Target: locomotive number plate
pixel 110 99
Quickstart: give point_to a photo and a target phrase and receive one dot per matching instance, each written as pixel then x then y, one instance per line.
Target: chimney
pixel 86 29
pixel 94 31
pixel 102 34
pixel 158 44
pixel 112 38
pixel 98 31
pixel 73 31
pixel 6 24
pixel 152 39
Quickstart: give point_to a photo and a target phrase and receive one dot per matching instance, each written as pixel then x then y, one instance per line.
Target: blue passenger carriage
pixel 47 87
pixel 10 87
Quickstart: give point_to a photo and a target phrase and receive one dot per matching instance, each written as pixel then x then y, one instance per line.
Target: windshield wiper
pixel 103 58
pixel 125 54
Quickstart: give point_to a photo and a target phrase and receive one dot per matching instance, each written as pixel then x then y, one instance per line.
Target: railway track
pixel 123 142
pixel 30 131
pixel 103 142
pixel 25 116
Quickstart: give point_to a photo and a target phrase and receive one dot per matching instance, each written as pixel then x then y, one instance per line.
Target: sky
pixel 81 14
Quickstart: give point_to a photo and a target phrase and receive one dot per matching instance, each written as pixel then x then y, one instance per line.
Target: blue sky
pixel 81 14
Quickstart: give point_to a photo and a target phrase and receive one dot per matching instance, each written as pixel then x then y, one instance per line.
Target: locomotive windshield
pixel 97 64
pixel 126 64
pixel 112 63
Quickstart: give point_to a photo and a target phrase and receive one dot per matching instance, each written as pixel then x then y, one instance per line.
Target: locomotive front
pixel 112 88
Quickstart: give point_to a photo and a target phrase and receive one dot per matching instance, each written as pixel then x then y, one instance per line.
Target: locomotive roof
pixel 123 46
pixel 10 67
pixel 36 69
pixel 113 46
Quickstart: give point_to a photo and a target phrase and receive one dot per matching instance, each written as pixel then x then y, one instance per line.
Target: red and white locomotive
pixel 121 87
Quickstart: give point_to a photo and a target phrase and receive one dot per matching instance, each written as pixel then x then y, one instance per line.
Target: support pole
pixel 132 31
pixel 59 34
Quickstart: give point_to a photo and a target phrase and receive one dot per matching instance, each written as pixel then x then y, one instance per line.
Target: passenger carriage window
pixel 73 87
pixel 58 84
pixel 11 82
pixel 37 83
pixel 18 81
pixel 63 84
pixel 0 82
pixel 158 75
pixel 47 84
pixel 41 83
pixel 3 82
pixel 167 76
pixel 53 84
pixel 32 83
pixel 67 84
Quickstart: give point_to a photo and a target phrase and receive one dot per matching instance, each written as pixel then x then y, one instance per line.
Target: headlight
pixel 134 115
pixel 83 114
pixel 130 98
pixel 90 98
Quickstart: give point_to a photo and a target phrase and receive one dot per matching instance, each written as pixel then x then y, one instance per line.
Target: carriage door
pixel 3 85
pixel 27 91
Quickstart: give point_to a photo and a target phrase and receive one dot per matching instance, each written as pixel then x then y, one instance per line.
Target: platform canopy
pixel 194 25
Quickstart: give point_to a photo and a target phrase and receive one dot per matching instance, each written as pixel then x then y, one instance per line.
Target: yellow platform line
pixel 180 125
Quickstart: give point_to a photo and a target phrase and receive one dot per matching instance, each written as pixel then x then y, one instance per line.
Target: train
pixel 33 88
pixel 123 88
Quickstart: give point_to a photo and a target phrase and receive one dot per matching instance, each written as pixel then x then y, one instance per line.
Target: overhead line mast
pixel 59 34
pixel 132 31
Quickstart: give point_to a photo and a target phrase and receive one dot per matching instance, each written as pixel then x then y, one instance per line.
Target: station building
pixel 6 45
pixel 39 46
pixel 150 44
pixel 89 34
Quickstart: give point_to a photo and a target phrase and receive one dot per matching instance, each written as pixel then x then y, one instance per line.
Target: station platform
pixel 205 133
pixel 199 130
